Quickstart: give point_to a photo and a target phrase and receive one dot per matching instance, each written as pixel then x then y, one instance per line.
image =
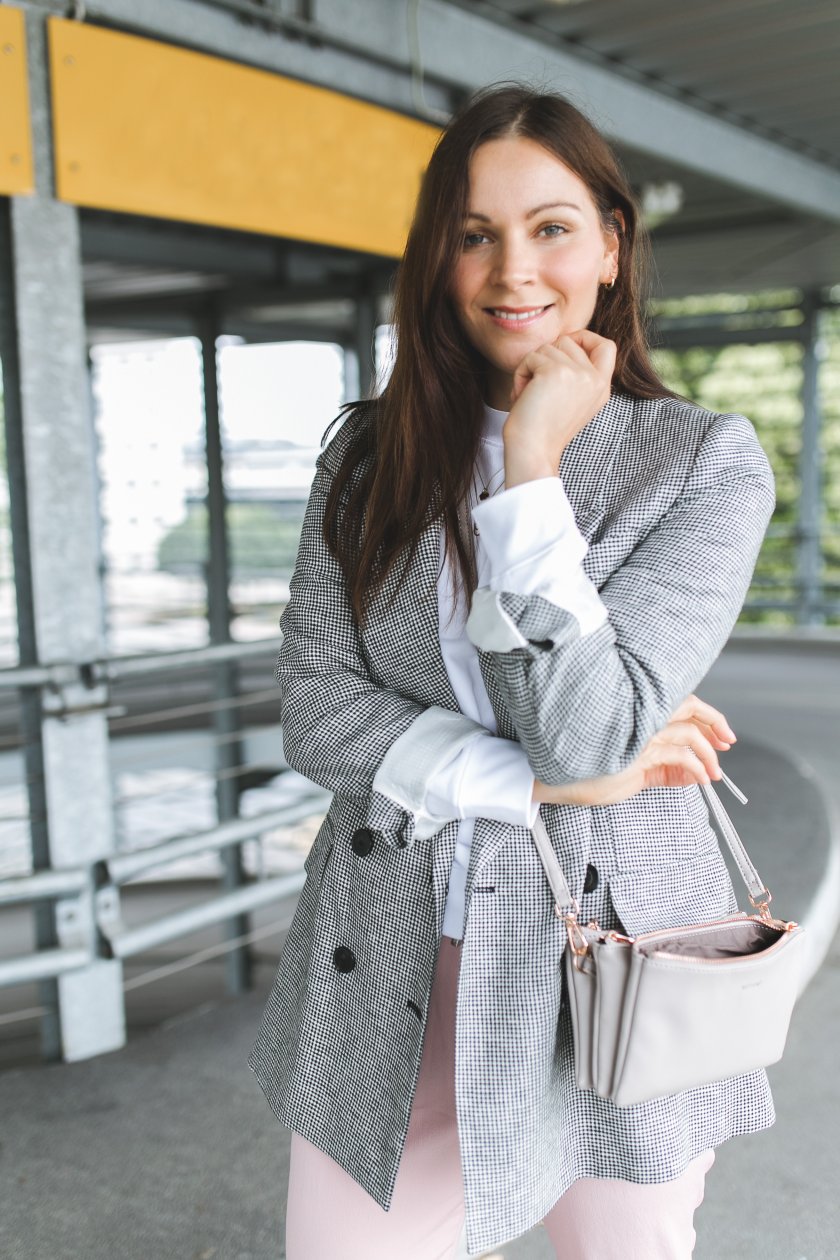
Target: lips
pixel 515 316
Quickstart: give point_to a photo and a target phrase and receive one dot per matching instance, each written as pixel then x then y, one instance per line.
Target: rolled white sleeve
pixel 446 766
pixel 489 778
pixel 532 547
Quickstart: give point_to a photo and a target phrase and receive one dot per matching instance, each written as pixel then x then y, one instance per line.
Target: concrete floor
pixel 166 1150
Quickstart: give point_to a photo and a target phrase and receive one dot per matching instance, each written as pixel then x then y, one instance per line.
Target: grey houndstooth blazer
pixel 674 502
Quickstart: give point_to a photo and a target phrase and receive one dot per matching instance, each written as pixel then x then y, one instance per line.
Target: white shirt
pixel 528 542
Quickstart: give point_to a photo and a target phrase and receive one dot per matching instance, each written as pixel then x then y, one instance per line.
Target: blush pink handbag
pixel 676 1008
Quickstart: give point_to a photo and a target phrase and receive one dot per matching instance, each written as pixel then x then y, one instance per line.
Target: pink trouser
pixel 328 1215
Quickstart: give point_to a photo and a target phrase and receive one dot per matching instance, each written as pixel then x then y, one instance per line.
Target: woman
pixel 447 682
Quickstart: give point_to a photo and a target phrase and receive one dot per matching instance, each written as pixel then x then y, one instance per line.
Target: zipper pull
pixel 733 788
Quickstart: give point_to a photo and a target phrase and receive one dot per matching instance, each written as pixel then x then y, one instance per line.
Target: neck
pixel 494 418
pixel 498 387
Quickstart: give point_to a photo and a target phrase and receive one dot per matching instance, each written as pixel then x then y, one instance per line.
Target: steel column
pixel 229 751
pixel 366 309
pixel 809 550
pixel 52 456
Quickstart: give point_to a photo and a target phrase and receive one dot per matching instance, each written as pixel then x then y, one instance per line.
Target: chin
pixel 507 366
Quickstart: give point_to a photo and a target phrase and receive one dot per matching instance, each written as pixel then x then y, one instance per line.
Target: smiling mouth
pixel 510 315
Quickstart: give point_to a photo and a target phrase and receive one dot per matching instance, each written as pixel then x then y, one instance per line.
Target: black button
pixel 344 958
pixel 361 841
pixel 591 881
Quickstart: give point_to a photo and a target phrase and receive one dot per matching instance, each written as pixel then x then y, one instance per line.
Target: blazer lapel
pixel 588 459
pixel 585 469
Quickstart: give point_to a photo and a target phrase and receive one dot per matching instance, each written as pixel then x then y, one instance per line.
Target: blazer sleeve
pixel 586 704
pixel 340 729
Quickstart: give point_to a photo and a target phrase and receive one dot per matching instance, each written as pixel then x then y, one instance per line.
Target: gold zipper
pixel 781 924
pixel 713 962
pixel 694 928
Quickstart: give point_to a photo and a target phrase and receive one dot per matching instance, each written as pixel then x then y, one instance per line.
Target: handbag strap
pixel 759 895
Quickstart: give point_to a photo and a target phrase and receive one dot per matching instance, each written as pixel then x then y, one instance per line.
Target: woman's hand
pixel 682 753
pixel 557 389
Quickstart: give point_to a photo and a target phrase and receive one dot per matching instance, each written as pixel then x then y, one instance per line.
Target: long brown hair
pixel 412 449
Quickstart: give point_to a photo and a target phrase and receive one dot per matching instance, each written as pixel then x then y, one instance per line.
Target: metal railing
pixel 85 899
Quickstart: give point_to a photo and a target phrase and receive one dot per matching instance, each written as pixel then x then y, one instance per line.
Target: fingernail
pixel 731 733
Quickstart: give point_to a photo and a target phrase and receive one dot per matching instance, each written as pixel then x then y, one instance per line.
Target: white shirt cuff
pixel 524 522
pixel 413 760
pixel 533 547
pixel 489 778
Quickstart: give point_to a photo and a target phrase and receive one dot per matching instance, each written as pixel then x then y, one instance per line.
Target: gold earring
pixel 611 284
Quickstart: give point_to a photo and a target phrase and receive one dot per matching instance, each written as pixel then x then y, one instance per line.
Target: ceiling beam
pixel 365 48
pixel 630 112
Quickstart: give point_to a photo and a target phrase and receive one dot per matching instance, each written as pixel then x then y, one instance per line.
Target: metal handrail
pixel 121 867
pixel 124 944
pixel 43 965
pixel 112 668
pixel 125 866
pixel 43 885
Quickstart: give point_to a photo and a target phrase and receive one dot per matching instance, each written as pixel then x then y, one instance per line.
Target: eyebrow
pixel 548 205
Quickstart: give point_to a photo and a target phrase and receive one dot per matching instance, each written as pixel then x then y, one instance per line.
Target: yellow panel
pixel 16 174
pixel 146 128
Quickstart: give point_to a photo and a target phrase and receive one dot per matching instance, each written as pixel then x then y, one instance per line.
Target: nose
pixel 513 264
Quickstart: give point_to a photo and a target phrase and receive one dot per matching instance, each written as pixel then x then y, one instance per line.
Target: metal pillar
pixel 809 552
pixel 30 697
pixel 366 341
pixel 350 373
pixel 51 458
pixel 229 750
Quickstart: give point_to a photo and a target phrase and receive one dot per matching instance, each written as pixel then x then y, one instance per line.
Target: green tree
pixel 764 382
pixel 263 539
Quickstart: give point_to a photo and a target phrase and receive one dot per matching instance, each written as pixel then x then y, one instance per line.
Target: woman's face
pixel 533 255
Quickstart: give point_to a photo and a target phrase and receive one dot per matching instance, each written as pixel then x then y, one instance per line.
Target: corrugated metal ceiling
pixel 767 66
pixel 770 66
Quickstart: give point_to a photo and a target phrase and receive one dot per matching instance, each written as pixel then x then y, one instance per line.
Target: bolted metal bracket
pixel 72 690
pixel 109 921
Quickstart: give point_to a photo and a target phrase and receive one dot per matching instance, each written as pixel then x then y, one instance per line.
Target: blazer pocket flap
pixel 671 895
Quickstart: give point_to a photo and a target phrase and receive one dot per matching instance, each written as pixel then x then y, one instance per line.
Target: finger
pixel 675 766
pixel 587 339
pixel 534 360
pixel 711 734
pixel 678 776
pixel 523 374
pixel 542 357
pixel 600 351
pixel 567 345
pixel 603 360
pixel 692 706
pixel 687 734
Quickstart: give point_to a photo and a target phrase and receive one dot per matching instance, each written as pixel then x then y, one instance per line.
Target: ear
pixel 612 245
